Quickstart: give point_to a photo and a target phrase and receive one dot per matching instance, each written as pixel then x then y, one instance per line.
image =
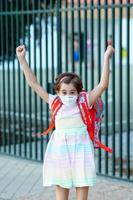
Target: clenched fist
pixel 109 51
pixel 20 51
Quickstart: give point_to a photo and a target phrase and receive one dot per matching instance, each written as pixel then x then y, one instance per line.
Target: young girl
pixel 69 157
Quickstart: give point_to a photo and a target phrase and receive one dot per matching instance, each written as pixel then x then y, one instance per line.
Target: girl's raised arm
pixel 101 87
pixel 30 77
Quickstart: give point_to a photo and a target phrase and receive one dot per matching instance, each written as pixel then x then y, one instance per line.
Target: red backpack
pixel 91 117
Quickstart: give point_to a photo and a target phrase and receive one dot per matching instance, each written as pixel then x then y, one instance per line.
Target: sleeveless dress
pixel 69 157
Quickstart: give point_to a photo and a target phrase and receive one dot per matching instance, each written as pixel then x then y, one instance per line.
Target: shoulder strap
pixel 85 114
pixel 99 106
pixel 56 105
pixel 88 115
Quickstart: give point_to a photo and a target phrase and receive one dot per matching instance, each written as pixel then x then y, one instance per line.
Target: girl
pixel 69 157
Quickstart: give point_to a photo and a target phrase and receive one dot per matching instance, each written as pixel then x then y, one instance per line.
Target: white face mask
pixel 69 99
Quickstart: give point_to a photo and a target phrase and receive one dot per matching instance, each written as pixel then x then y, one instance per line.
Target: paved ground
pixel 22 180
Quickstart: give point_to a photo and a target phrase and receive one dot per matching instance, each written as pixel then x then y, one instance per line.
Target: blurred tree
pixel 13 26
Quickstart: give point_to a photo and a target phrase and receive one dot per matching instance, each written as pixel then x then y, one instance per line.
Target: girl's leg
pixel 82 193
pixel 61 193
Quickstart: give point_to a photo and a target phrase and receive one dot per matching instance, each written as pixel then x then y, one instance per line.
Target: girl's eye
pixel 64 93
pixel 72 93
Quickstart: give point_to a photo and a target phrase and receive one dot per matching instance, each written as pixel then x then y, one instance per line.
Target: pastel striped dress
pixel 69 157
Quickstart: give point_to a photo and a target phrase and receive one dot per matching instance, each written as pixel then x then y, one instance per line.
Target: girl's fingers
pixel 109 51
pixel 20 48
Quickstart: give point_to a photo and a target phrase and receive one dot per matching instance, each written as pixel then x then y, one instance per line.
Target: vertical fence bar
pixel 59 55
pixel 24 92
pixel 52 40
pixel 79 39
pixel 13 132
pixel 1 91
pixel 113 91
pixel 106 92
pixel 92 39
pixel 29 89
pixel 120 90
pixel 72 35
pixel 66 36
pixel 3 82
pixel 46 64
pixel 85 46
pixel 40 77
pixel 35 72
pixel 8 83
pixel 99 68
pixel 128 89
pixel 19 86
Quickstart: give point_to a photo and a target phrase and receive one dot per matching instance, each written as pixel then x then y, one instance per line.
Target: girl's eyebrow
pixel 70 90
pixel 73 90
pixel 63 90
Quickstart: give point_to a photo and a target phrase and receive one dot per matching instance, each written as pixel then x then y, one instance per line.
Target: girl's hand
pixel 109 51
pixel 20 51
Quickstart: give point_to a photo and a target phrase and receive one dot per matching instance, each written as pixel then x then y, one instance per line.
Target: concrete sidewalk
pixel 22 180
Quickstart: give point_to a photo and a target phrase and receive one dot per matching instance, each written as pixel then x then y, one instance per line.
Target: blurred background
pixel 66 36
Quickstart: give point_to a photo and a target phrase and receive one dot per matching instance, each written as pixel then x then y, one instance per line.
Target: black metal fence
pixel 62 36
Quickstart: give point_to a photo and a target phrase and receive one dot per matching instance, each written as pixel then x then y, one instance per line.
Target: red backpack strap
pixel 56 105
pixel 103 146
pixel 98 106
pixel 85 114
pixel 88 115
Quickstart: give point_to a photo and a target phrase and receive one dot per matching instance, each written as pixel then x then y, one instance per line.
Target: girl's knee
pixel 82 193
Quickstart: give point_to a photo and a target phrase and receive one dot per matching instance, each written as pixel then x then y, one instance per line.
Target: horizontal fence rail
pixel 62 36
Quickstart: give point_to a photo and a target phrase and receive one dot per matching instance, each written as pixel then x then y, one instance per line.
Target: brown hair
pixel 67 78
